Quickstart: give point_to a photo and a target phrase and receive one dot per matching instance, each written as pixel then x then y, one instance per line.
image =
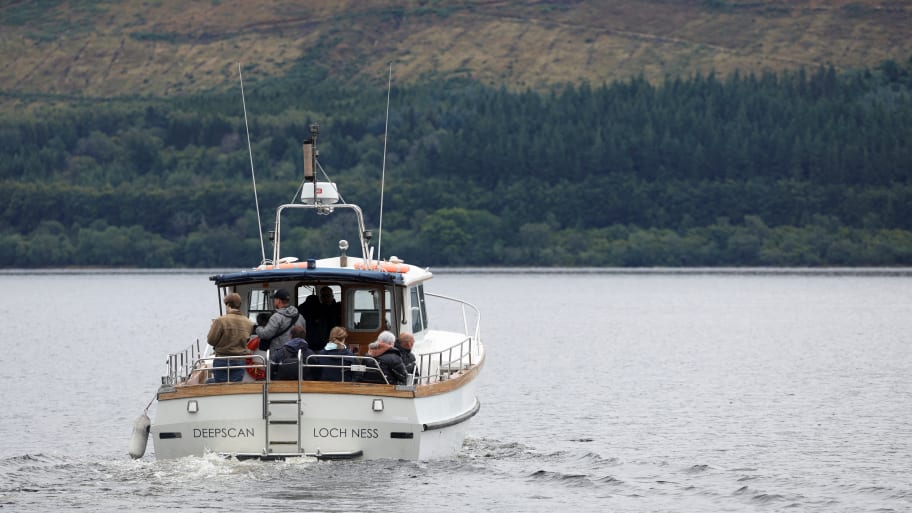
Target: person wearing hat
pixel 278 330
pixel 228 337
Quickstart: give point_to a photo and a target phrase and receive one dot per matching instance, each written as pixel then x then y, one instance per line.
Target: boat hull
pixel 337 420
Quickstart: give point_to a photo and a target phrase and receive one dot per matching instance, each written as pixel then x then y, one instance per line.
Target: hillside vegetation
pixel 787 169
pixel 55 49
pixel 635 133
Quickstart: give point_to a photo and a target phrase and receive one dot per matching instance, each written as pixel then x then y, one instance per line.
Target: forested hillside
pixel 806 167
pixel 552 132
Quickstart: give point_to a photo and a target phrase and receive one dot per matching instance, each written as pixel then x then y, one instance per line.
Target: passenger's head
pixel 233 300
pixel 311 306
pixel 387 337
pixel 326 295
pixel 280 298
pixel 262 318
pixel 406 340
pixel 298 331
pixel 338 335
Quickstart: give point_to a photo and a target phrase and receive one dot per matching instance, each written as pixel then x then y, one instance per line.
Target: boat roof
pixel 303 274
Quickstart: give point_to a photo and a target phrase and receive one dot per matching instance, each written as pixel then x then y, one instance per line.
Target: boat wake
pixel 510 473
pixel 27 473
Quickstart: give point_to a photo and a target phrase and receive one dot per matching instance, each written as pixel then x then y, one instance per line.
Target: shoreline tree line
pixel 803 168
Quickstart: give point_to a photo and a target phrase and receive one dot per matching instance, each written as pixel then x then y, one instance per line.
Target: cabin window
pixel 388 314
pixel 258 301
pixel 418 309
pixel 366 306
pixel 311 296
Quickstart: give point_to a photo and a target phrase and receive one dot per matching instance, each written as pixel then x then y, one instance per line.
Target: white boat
pixel 269 418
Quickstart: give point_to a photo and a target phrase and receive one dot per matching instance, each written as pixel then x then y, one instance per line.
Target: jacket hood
pixel 295 344
pixel 288 311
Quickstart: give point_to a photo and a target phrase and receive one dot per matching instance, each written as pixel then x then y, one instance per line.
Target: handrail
pixel 359 365
pixel 457 357
pixel 183 373
pixel 465 320
pixel 345 364
pixel 319 208
pixel 446 367
pixel 429 367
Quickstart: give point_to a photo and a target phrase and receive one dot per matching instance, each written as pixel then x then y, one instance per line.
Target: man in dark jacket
pixel 404 344
pixel 327 315
pixel 285 359
pixel 388 358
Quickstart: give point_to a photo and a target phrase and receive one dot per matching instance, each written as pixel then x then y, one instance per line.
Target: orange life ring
pixel 382 266
pixel 286 265
pixel 257 373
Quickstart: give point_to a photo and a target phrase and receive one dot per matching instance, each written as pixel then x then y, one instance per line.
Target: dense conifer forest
pixel 798 168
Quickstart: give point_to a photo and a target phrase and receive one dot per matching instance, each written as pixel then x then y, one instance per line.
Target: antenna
pixel 256 198
pixel 310 158
pixel 389 87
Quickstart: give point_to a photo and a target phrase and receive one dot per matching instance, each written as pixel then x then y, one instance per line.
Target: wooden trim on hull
pixel 455 381
pixel 322 387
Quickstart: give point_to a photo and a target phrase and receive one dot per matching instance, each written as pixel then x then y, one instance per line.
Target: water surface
pixel 619 392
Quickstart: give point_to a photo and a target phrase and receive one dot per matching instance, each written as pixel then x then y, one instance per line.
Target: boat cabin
pixel 363 302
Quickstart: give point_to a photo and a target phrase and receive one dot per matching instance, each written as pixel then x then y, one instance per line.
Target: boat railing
pixel 442 365
pixel 188 367
pixel 180 371
pixel 470 316
pixel 348 365
pixel 182 364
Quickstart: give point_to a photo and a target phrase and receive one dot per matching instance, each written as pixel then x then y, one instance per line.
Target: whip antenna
pixel 256 198
pixel 389 86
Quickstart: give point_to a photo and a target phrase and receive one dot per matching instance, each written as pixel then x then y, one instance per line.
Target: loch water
pixel 603 391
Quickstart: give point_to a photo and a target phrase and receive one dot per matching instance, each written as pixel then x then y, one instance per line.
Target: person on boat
pixel 253 344
pixel 384 354
pixel 262 318
pixel 278 330
pixel 336 368
pixel 285 359
pixel 404 344
pixel 328 315
pixel 228 337
pixel 310 311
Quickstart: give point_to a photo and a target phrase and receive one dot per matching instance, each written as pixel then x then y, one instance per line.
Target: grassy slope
pixel 164 47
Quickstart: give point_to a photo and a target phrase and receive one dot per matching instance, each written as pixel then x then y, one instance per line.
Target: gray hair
pixel 387 337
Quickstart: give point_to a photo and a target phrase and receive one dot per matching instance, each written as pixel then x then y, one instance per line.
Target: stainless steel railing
pixel 471 316
pixel 186 366
pixel 189 366
pixel 441 365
